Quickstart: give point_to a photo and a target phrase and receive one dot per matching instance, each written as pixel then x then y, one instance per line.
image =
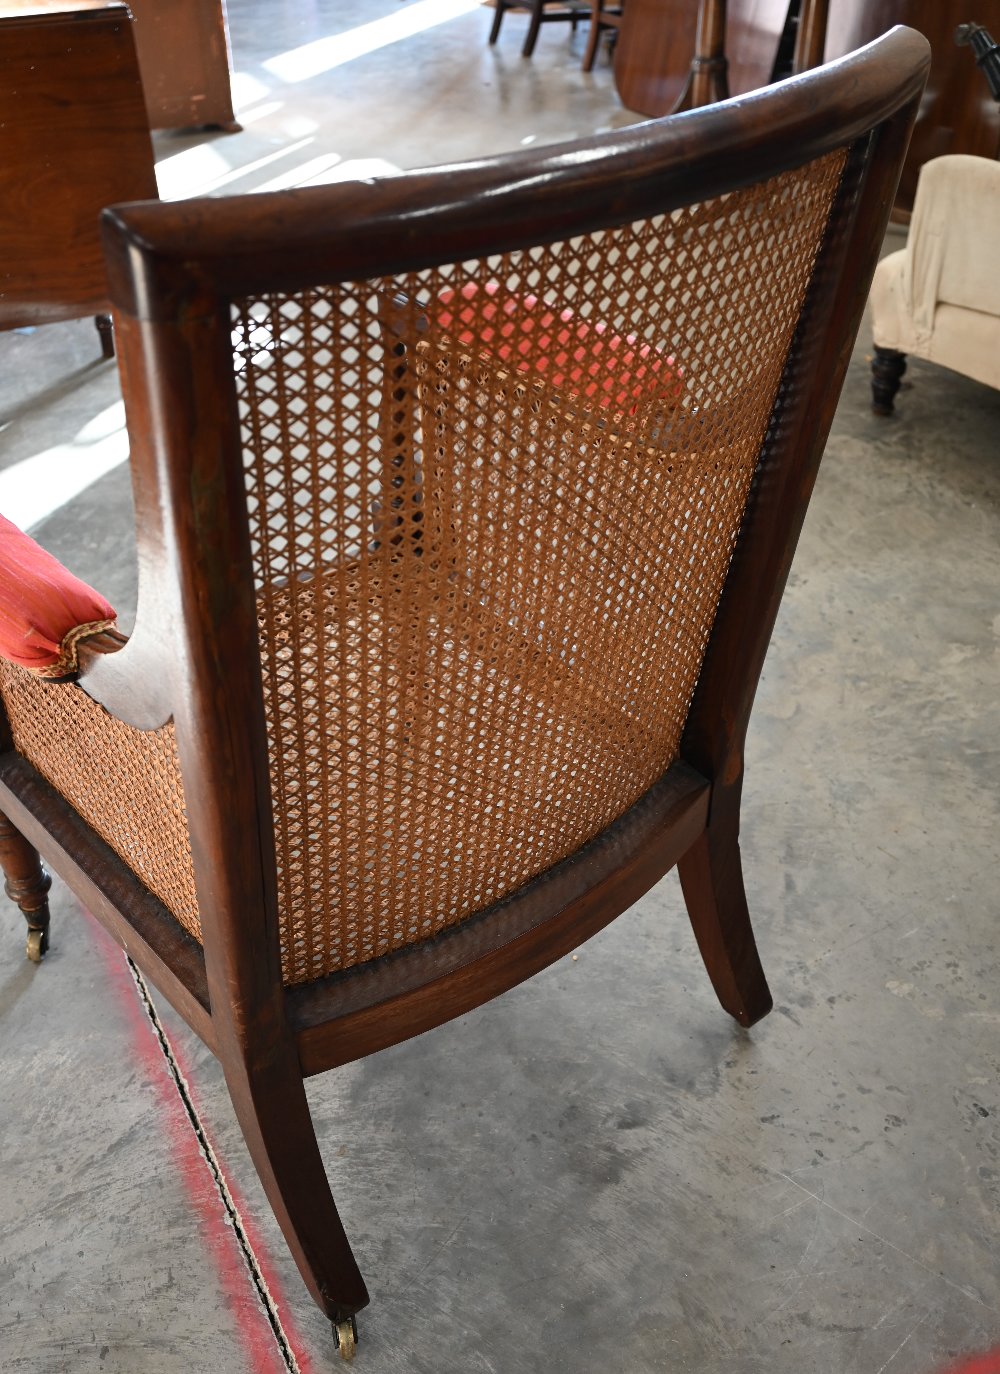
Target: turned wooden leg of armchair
pixel 888 367
pixel 27 884
pixel 711 874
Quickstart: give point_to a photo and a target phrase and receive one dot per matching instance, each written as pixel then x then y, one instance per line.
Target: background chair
pixel 351 778
pixel 604 18
pixel 542 12
pixel 939 297
pixel 74 137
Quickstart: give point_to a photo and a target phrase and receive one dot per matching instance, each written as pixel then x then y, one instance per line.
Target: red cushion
pixel 583 357
pixel 44 609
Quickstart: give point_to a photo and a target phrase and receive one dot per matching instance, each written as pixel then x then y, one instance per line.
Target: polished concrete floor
pixel 598 1171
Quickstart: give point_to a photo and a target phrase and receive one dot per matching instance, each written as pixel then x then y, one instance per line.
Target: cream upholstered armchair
pixel 939 297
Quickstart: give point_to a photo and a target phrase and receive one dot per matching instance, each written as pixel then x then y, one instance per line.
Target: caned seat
pixel 466 503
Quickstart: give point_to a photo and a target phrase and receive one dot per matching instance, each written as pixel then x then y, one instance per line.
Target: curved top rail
pixel 158 253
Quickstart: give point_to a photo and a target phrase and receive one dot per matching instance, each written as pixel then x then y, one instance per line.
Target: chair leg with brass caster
pixel 38 944
pixel 345 1333
pixel 27 884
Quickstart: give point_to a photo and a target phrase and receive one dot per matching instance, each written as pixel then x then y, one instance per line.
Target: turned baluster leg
pixel 708 79
pixel 888 367
pixel 27 884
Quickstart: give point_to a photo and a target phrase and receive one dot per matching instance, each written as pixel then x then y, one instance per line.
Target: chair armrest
pixel 46 612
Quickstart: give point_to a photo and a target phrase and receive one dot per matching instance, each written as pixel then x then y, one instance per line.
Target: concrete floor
pixel 598 1171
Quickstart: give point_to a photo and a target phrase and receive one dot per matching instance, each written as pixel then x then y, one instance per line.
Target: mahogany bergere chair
pixel 465 504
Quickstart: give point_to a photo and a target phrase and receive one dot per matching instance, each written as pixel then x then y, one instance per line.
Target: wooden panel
pixel 184 59
pixel 653 54
pixel 657 42
pixel 73 138
pixel 753 32
pixel 957 114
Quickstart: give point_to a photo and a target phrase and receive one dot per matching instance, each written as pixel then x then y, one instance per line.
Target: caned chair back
pixel 465 501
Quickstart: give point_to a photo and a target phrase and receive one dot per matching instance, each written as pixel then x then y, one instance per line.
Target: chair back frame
pixel 173 269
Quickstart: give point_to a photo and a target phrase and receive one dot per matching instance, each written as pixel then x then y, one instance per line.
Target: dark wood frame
pixel 173 269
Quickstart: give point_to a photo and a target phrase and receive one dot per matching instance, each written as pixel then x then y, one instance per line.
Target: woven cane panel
pixel 492 507
pixel 125 783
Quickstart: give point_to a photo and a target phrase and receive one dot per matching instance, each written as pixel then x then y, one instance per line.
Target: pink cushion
pixel 581 356
pixel 44 610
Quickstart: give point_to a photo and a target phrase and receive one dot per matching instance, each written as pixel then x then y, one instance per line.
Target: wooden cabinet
pixel 73 138
pixel 183 48
pixel 957 113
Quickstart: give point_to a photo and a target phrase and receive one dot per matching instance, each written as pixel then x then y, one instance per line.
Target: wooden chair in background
pixel 604 18
pixel 74 138
pixel 340 786
pixel 675 55
pixel 541 12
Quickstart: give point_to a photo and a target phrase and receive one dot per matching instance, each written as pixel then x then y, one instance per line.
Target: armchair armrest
pixel 46 612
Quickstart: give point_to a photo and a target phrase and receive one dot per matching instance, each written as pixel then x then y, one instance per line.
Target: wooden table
pixel 183 52
pixel 73 139
pixel 184 59
pixel 658 40
pixel 957 113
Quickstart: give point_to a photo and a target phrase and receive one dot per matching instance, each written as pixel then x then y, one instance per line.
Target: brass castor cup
pixel 38 943
pixel 345 1333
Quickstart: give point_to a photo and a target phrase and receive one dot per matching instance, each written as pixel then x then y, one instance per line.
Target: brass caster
pixel 38 943
pixel 345 1333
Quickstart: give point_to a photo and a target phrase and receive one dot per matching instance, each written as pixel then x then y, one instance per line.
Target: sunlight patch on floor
pixel 35 487
pixel 323 54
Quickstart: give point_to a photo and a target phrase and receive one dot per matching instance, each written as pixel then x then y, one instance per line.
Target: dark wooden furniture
pixel 986 51
pixel 73 139
pixel 958 114
pixel 680 54
pixel 184 60
pixel 675 55
pixel 541 12
pixel 363 783
pixel 604 18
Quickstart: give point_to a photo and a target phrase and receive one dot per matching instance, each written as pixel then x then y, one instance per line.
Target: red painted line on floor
pixel 252 1325
pixel 257 1245
pixel 982 1364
